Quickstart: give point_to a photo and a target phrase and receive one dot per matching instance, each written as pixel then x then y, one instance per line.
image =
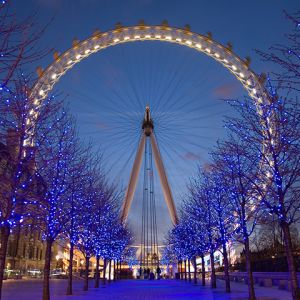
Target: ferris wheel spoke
pixel 184 102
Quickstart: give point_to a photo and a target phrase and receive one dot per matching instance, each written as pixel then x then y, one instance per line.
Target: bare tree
pixel 189 238
pixel 272 130
pixel 114 237
pixel 18 43
pixel 219 192
pixel 122 241
pixel 55 156
pixel 75 194
pixel 88 215
pixel 240 169
pixel 22 187
pixel 168 255
pixel 201 209
pixel 281 135
pixel 287 56
pixel 18 40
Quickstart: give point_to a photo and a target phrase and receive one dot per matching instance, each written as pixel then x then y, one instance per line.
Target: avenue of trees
pixel 253 178
pixel 50 179
pixel 53 181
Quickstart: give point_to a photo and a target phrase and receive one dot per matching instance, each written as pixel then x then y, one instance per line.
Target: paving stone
pixel 136 290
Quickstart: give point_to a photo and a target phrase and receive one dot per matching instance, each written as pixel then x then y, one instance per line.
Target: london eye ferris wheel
pixel 109 92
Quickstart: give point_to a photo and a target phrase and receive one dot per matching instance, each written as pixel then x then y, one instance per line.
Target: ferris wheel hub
pixel 147 125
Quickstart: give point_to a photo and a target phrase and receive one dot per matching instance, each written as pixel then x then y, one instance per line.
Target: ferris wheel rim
pixel 99 41
pixel 102 40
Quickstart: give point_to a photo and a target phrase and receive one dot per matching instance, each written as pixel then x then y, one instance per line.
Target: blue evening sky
pixel 109 90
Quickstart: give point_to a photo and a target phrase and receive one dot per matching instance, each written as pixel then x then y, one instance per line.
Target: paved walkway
pixel 136 290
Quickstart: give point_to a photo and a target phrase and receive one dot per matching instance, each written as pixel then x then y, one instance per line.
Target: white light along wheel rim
pixel 164 33
pixel 99 41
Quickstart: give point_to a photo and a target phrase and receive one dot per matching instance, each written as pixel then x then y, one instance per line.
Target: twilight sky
pixel 108 91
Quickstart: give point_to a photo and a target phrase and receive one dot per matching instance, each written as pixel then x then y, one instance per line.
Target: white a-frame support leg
pixel 164 180
pixel 133 178
pixel 162 175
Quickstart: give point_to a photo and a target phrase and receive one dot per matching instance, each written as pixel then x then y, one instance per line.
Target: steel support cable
pixel 154 223
pixel 150 203
pixel 146 206
pixel 168 86
pixel 132 86
pixel 142 237
pixel 120 54
pixel 140 76
pixel 132 62
pixel 186 94
pixel 159 78
pixel 149 240
pixel 123 167
pixel 153 211
pixel 121 155
pixel 166 142
pixel 175 86
pixel 147 203
pixel 155 78
pixel 87 98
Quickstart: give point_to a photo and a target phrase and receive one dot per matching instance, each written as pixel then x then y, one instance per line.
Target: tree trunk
pixel 70 275
pixel 249 270
pixel 290 260
pixel 104 272
pixel 46 283
pixel 86 274
pixel 195 270
pixel 16 245
pixel 185 277
pixel 114 273
pixel 117 272
pixel 109 271
pixel 4 232
pixel 213 280
pixel 189 268
pixel 97 272
pixel 203 269
pixel 226 269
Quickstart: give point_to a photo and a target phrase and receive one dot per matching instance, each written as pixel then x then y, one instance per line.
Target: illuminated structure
pixel 204 44
pixel 142 32
pixel 99 41
pixel 25 248
pixel 147 127
pixel 148 146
